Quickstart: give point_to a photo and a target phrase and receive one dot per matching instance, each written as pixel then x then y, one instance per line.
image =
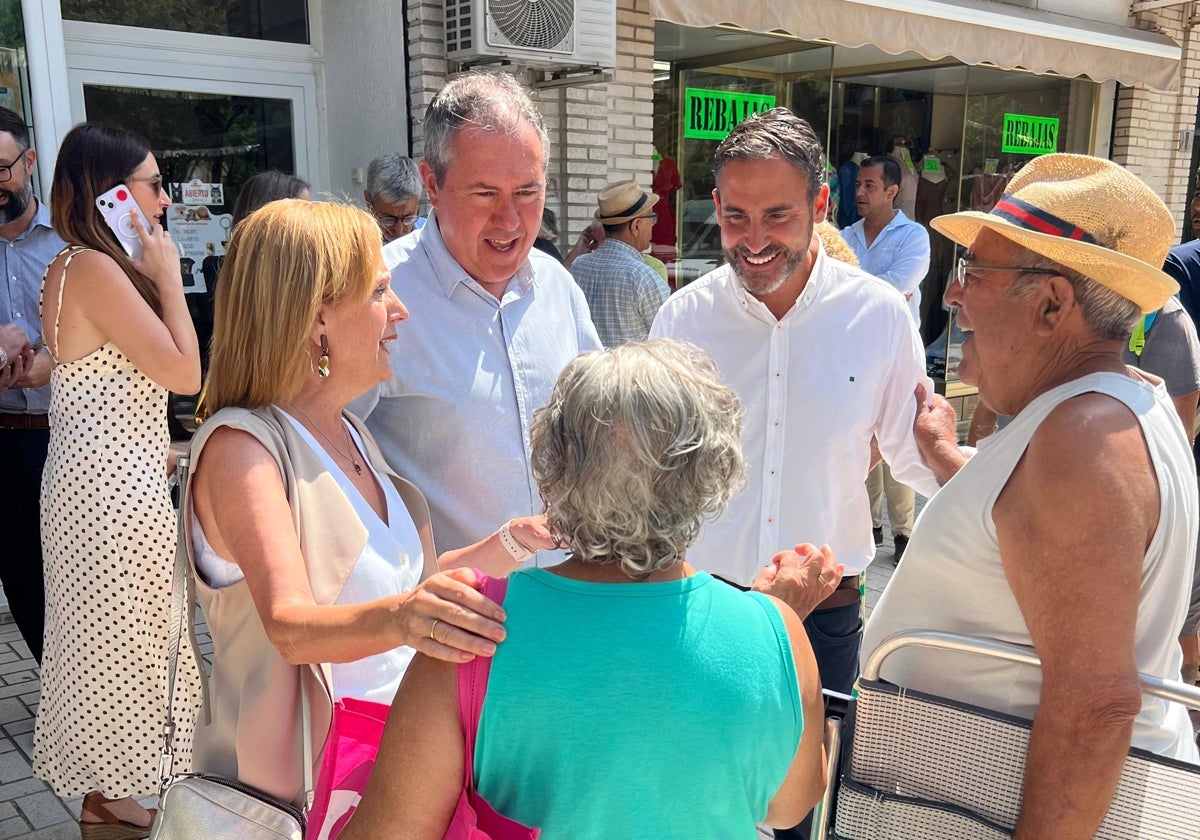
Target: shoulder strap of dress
pixel 70 251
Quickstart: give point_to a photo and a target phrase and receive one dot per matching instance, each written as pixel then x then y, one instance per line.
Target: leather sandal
pixel 111 828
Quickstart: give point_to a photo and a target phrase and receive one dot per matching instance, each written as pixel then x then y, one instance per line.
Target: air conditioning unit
pixel 537 33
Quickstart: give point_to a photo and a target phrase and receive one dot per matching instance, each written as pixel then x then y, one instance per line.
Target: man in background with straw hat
pixel 623 292
pixel 1071 531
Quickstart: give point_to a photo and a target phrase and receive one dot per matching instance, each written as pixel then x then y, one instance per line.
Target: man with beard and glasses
pixel 30 244
pixel 822 357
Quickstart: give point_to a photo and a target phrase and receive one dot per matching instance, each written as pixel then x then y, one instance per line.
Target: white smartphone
pixel 118 209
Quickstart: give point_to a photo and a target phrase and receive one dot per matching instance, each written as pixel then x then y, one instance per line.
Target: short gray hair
pixel 638 446
pixel 489 100
pixel 772 134
pixel 1110 316
pixel 393 179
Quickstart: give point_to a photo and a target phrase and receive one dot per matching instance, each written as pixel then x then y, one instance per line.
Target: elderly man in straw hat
pixel 623 292
pixel 1072 530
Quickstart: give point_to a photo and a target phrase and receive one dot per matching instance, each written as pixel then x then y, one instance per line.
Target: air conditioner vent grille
pixel 536 24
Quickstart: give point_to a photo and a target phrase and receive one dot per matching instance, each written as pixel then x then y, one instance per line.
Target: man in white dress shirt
pixel 492 322
pixel 895 249
pixel 821 356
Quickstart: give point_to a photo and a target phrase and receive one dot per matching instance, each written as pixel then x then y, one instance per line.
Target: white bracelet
pixel 516 551
pixel 3 358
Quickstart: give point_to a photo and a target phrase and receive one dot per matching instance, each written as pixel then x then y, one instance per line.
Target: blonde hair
pixel 835 245
pixel 284 261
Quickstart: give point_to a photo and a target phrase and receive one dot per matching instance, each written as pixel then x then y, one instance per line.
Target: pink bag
pixel 349 757
pixel 474 818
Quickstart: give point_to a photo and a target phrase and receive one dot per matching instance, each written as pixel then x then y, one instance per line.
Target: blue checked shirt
pixel 623 293
pixel 25 261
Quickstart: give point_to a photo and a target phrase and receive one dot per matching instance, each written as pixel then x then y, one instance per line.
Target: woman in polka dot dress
pixel 121 336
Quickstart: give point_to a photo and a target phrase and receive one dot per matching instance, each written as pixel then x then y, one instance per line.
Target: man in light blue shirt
pixel 887 243
pixel 895 249
pixel 28 243
pixel 492 322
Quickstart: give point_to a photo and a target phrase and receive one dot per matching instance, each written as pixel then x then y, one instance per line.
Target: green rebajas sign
pixel 1026 135
pixel 712 114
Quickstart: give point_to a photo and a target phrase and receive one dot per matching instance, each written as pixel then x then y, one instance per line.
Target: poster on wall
pixel 199 233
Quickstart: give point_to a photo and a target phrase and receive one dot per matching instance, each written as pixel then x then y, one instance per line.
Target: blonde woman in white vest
pixel 315 563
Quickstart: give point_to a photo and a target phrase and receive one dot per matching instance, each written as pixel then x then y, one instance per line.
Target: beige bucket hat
pixel 623 202
pixel 1085 213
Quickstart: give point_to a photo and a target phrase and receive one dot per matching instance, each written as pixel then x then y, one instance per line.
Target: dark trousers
pixel 22 456
pixel 836 638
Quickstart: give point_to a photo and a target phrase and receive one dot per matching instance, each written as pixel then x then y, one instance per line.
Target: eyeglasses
pixel 153 181
pixel 964 269
pixel 652 218
pixel 6 171
pixel 389 222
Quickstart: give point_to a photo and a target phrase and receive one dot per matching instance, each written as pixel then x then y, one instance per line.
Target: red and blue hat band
pixel 1035 219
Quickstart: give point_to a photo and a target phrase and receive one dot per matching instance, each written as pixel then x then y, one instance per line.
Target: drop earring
pixel 323 362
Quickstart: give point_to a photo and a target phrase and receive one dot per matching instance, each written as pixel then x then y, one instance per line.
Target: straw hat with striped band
pixel 1087 214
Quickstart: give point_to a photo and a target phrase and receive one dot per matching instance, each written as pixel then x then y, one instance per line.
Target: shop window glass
pixel 264 20
pixel 746 83
pixel 14 79
pixel 215 140
pixel 915 115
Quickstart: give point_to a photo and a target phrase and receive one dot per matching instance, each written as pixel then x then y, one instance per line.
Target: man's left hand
pixel 37 371
pixel 803 578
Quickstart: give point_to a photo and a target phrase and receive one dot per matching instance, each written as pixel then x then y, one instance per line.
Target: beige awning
pixel 971 31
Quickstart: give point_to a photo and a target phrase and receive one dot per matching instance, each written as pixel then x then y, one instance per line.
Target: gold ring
pixel 433 627
pixel 821 580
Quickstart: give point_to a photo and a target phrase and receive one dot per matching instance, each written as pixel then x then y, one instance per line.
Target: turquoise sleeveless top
pixel 665 710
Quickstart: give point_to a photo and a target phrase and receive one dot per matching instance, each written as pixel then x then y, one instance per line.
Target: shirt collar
pixel 447 269
pixel 610 242
pixel 812 291
pixel 41 218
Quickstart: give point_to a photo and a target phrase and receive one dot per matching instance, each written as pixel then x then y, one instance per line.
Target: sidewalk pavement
pixel 29 808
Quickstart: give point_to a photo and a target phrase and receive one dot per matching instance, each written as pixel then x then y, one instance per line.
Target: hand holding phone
pixel 122 215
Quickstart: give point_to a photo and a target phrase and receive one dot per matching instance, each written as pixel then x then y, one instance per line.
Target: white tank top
pixel 952 578
pixel 390 563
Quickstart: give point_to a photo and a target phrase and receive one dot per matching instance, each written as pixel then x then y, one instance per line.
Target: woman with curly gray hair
pixel 634 696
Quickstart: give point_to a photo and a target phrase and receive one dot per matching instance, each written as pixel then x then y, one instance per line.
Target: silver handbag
pixel 200 806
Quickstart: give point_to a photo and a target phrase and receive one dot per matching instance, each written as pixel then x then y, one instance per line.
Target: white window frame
pixel 157 59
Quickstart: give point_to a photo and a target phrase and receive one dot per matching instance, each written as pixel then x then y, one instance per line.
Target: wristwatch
pixel 3 358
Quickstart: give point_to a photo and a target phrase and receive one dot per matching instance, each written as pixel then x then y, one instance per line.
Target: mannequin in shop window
pixel 931 199
pixel 907 198
pixel 665 183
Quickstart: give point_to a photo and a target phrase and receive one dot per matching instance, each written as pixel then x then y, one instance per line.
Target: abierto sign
pixel 712 114
pixel 1027 135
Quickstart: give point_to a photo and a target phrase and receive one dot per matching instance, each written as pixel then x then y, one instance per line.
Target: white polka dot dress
pixel 108 537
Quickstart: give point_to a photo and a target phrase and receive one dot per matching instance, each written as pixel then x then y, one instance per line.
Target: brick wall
pixel 598 133
pixel 1147 123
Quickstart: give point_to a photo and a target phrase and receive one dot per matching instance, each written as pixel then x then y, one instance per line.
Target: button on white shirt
pixel 815 385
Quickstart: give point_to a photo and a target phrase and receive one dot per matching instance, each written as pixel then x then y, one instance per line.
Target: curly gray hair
pixel 638 446
pixel 490 100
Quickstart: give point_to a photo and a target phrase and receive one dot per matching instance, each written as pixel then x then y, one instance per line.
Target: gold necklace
pixel 353 461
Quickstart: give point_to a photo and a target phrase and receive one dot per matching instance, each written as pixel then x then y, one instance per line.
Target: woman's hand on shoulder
pixel 160 258
pixel 448 618
pixel 533 533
